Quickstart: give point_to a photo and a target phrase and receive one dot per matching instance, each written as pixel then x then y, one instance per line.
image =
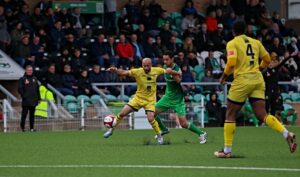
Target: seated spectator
pixel 111 50
pixel 71 43
pixel 151 51
pixel 214 108
pixel 68 80
pixel 187 21
pixel 16 34
pixel 24 17
pixel 293 47
pixel 57 36
pixel 125 52
pixel 64 16
pixel 77 62
pixel 277 47
pixel 38 19
pixel 160 48
pixel 190 32
pixel 163 19
pixel 150 22
pixel 212 64
pixel 211 22
pixel 221 18
pixel 189 8
pixel 138 50
pixel 77 20
pixel 203 39
pixel 141 33
pixel 231 19
pixel 181 60
pixel 209 78
pixel 84 85
pixel 219 38
pixel 22 52
pixel 173 46
pixel 37 50
pixel 98 51
pixel 190 52
pixel 165 34
pixel 55 80
pixel 187 76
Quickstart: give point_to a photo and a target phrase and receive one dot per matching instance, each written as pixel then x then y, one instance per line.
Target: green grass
pixel 253 147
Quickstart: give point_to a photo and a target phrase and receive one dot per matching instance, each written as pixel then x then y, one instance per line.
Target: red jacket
pixel 212 24
pixel 124 50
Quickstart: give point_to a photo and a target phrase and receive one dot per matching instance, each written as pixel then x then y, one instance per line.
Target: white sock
pixel 285 133
pixel 227 149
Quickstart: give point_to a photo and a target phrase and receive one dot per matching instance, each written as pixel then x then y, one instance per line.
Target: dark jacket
pixel 29 91
pixel 68 80
pixel 83 83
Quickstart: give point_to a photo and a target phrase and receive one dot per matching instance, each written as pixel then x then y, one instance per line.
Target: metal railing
pixel 7 113
pixel 59 96
pixel 9 96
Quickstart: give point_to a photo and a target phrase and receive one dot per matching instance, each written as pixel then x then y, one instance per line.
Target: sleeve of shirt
pixel 133 72
pixel 158 70
pixel 231 51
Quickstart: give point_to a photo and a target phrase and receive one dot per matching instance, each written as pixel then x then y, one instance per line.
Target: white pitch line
pixel 155 166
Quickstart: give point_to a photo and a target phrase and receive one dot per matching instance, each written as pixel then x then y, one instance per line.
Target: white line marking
pixel 154 166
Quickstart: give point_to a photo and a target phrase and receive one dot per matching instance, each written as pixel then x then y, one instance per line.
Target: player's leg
pixel 124 112
pixel 150 111
pixel 161 106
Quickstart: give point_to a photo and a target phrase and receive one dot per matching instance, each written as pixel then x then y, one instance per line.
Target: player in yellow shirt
pixel 145 96
pixel 243 54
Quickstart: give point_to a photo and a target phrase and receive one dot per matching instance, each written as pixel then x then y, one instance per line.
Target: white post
pixel 82 113
pixel 202 112
pixel 5 115
pixel 130 121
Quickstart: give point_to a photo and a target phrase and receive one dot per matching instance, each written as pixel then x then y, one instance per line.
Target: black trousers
pixel 25 110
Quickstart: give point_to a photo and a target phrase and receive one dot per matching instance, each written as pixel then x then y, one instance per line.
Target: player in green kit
pixel 174 99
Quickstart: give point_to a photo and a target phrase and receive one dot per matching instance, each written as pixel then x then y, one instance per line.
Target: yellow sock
pixel 155 126
pixel 229 128
pixel 118 119
pixel 272 122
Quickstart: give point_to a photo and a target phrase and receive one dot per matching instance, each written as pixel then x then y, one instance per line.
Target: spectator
pixel 51 17
pixel 211 22
pixel 38 19
pixel 203 38
pixel 151 51
pixel 181 60
pixel 5 39
pixel 43 5
pixel 293 47
pixel 22 52
pixel 125 24
pixel 62 60
pixel 214 108
pixel 29 90
pixel 132 11
pixel 139 53
pixel 155 9
pixel 16 34
pixel 57 36
pixel 160 48
pixel 252 12
pixel 111 50
pixel 209 78
pixel 225 8
pixel 187 76
pixel 77 62
pixel 24 17
pixel 239 7
pixel 277 47
pixel 187 21
pixel 189 8
pixel 64 16
pixel 55 80
pixel 211 63
pixel 163 19
pixel 212 7
pixel 165 34
pixel 150 22
pixel 231 19
pixel 69 81
pixel 77 20
pixel 71 44
pixel 141 33
pixel 84 86
pixel 37 51
pixel 173 46
pixel 190 32
pixel 98 51
pixel 221 18
pixel 219 38
pixel 110 16
pixel 125 52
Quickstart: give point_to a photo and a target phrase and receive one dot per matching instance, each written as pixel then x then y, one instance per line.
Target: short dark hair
pixel 239 27
pixel 169 53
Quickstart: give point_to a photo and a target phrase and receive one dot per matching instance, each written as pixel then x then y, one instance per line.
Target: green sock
pixel 161 124
pixel 192 127
pixel 255 121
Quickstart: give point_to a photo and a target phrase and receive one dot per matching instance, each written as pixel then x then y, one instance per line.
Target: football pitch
pixel 259 152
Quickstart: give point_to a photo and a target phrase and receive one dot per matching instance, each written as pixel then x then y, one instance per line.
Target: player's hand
pixel 222 81
pixel 168 70
pixel 112 69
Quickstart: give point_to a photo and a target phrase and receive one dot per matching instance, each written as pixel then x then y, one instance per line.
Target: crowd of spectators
pixel 72 50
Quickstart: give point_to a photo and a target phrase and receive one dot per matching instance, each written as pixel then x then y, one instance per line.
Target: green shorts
pixel 178 106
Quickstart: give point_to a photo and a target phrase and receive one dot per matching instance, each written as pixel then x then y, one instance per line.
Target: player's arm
pixel 172 72
pixel 231 62
pixel 120 72
pixel 265 57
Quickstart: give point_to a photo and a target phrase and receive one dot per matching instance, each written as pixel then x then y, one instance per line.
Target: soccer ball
pixel 109 121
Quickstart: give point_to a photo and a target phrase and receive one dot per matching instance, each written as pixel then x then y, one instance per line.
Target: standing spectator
pixel 28 88
pixel 110 16
pixel 84 85
pixel 77 21
pixel 214 108
pixel 125 52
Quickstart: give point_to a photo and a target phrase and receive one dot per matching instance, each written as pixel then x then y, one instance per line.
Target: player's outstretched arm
pixel 172 72
pixel 120 72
